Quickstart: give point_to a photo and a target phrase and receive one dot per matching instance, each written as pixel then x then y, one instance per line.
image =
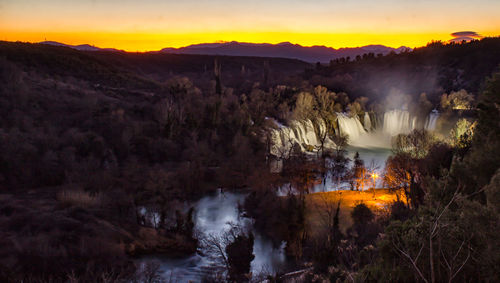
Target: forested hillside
pixel 91 142
pixel 435 69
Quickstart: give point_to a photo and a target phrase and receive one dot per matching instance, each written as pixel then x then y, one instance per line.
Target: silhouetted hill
pixel 434 69
pixel 58 60
pixel 284 50
pixel 312 54
pixel 81 47
pixel 146 70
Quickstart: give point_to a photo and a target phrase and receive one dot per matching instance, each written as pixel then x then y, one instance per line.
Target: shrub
pixel 361 214
pixel 79 198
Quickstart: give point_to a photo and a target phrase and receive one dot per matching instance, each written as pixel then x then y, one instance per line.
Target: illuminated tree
pixel 461 134
pixel 416 144
pixel 458 100
pixel 304 106
pixel 398 174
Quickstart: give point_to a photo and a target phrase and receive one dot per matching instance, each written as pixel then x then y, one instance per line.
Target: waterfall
pixel 398 122
pixel 367 121
pixel 430 124
pixel 350 126
pixel 300 134
pixel 306 134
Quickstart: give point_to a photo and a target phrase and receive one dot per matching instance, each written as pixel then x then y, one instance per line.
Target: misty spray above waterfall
pixel 394 122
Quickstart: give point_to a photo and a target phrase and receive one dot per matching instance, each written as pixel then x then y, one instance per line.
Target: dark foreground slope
pixel 92 145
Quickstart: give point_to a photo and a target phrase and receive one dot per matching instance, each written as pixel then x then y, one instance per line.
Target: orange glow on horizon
pixel 141 42
pixel 150 25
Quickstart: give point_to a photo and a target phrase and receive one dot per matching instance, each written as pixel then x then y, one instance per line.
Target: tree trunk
pixel 431 259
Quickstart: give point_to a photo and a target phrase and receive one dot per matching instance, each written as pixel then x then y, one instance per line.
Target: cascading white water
pixel 350 126
pixel 298 133
pixel 398 122
pixel 430 124
pixel 367 121
pixel 305 135
pixel 394 122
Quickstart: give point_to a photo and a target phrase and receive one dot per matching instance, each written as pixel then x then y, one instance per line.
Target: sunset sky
pixel 154 24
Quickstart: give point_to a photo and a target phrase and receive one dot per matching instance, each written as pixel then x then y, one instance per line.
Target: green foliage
pixel 453 234
pixel 452 238
pixel 482 162
pixel 416 144
pixel 461 134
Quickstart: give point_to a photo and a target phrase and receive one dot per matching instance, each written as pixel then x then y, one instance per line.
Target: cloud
pixel 469 34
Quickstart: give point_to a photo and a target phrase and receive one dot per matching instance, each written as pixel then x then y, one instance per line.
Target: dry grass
pixel 320 204
pixel 79 197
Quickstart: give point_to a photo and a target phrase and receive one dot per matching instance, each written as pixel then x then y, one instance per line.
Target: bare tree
pixel 454 261
pixel 329 212
pixel 227 256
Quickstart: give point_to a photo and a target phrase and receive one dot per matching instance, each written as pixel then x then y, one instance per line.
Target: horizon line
pixel 48 41
pixel 119 47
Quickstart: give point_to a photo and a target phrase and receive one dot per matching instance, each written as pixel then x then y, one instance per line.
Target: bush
pixel 399 211
pixel 361 214
pixel 79 198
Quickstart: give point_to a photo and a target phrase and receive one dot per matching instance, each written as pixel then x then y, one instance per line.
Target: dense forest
pixel 91 140
pixel 435 69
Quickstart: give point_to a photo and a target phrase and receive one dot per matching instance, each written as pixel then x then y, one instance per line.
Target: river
pixel 212 215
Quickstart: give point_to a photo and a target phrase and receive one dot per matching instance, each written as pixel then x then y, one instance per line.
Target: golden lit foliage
pixel 318 203
pixel 457 100
pixel 461 134
pixel 415 144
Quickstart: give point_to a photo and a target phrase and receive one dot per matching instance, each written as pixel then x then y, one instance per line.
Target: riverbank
pixel 76 231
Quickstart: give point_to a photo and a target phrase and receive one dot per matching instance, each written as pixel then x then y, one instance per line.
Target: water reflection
pixel 212 215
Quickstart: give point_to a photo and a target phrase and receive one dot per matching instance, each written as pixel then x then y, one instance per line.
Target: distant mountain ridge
pixel 81 47
pixel 312 54
pixel 285 50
